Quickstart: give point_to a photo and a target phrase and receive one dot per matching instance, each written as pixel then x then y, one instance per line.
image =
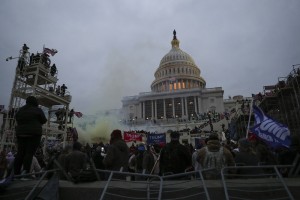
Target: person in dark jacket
pixel 117 153
pixel 76 162
pixel 246 157
pixel 174 157
pixel 98 158
pixel 30 119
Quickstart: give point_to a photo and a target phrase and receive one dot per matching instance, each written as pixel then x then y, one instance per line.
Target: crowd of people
pixel 77 161
pixel 171 158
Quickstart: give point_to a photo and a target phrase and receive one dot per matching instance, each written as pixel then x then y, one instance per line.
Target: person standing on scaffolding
pixel 53 69
pixel 25 49
pixel 58 90
pixel 30 119
pixel 63 89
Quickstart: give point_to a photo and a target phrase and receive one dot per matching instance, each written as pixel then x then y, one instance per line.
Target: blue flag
pixel 154 138
pixel 272 132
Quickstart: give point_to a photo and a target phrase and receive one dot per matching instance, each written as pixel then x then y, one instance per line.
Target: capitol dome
pixel 177 71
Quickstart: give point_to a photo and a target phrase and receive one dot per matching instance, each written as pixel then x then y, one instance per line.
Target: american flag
pixel 78 114
pixel 52 52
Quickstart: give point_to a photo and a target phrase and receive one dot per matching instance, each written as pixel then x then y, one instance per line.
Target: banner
pixel 132 136
pixel 156 138
pixel 272 132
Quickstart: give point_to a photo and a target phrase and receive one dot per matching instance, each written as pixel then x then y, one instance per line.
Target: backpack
pixel 214 160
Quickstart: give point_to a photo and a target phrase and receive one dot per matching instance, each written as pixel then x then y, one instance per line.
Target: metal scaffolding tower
pixel 34 76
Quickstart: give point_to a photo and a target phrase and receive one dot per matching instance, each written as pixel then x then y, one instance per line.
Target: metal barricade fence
pixel 239 182
pixel 254 182
pixel 187 186
pixel 119 186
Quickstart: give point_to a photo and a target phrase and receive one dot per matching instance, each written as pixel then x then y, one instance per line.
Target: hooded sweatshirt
pixel 117 156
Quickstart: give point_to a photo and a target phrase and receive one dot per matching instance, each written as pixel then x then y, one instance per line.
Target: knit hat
pixel 31 100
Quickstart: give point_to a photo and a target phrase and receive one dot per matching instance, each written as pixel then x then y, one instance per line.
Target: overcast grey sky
pixel 110 49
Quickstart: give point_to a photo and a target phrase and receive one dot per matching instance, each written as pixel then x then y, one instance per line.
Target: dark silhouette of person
pixel 31 59
pixel 21 65
pixel 174 157
pixel 36 58
pixel 45 60
pixel 71 114
pixel 58 90
pixel 30 119
pixel 117 153
pixel 63 89
pixel 76 161
pixel 58 115
pixel 25 49
pixel 53 70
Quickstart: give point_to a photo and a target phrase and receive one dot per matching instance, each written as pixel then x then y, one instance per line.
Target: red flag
pixel 132 136
pixel 78 114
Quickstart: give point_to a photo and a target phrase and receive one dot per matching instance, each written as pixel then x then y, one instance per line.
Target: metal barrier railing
pixel 254 182
pixel 188 186
pixel 239 182
pixel 35 190
pixel 144 186
pixel 27 186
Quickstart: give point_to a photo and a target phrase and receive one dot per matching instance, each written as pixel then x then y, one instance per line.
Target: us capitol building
pixel 178 92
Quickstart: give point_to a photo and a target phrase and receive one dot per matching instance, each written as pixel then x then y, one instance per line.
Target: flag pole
pixel 250 113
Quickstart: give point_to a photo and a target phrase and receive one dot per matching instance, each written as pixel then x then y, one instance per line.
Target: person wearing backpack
pixel 214 156
pixel 174 158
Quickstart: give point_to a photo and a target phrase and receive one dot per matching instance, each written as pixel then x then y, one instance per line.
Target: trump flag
pixel 156 138
pixel 270 131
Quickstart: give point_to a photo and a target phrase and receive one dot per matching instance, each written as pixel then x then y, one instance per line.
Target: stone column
pixel 199 105
pixel 173 107
pixel 144 117
pixel 152 110
pixel 155 110
pixel 164 109
pixel 185 106
pixel 195 104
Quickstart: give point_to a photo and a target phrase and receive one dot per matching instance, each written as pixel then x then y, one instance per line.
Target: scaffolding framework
pixel 280 101
pixel 34 77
